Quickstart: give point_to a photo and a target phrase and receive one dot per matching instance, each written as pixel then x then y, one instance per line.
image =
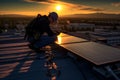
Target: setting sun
pixel 58 7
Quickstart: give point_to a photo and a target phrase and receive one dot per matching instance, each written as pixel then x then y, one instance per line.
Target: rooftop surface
pixel 18 62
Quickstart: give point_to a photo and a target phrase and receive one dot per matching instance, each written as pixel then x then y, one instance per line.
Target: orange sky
pixel 33 7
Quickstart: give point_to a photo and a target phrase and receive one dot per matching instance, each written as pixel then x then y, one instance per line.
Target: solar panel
pixel 68 39
pixel 94 52
pixel 64 35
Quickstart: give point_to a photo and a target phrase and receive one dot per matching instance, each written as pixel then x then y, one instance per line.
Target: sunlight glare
pixel 58 7
pixel 59 39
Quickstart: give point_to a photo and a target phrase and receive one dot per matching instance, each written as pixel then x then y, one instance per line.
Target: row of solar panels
pixel 94 52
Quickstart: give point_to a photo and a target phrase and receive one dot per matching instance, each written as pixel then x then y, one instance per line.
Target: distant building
pixel 20 27
pixel 103 27
pixel 110 38
pixel 79 26
pixel 6 26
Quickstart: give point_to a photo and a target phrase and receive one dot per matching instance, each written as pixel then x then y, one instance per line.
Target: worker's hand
pixel 57 32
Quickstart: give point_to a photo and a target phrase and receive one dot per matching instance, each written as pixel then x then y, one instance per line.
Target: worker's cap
pixel 54 16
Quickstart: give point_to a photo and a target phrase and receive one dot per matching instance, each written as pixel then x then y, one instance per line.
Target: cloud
pixel 41 1
pixel 92 9
pixel 116 4
pixel 82 7
pixel 68 5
